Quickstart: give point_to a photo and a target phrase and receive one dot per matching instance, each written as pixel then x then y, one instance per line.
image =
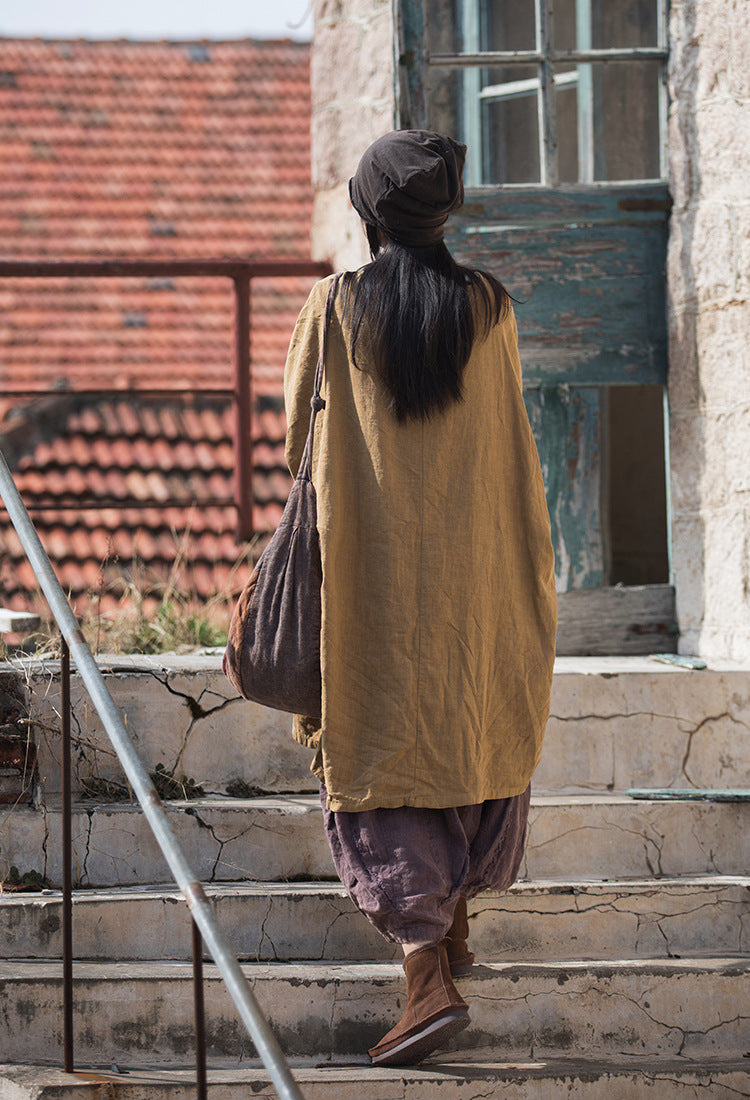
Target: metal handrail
pixel 265 1042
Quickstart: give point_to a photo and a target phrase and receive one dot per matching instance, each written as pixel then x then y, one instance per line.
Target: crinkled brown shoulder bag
pixel 273 650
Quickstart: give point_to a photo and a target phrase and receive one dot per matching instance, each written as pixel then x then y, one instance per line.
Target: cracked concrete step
pixel 316 920
pixel 615 723
pixel 281 838
pixel 663 1079
pixel 692 1008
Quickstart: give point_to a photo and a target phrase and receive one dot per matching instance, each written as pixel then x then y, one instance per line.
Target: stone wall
pixel 353 102
pixel 709 279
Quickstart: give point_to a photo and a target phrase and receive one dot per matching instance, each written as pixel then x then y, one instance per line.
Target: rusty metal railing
pixel 205 927
pixel 241 273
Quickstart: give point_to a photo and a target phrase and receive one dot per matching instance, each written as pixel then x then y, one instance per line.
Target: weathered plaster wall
pixel 353 102
pixel 709 280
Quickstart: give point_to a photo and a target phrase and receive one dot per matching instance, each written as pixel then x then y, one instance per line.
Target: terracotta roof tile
pixel 99 450
pixel 160 150
pixel 134 148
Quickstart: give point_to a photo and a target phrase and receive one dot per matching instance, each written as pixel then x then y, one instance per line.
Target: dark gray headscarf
pixel 407 183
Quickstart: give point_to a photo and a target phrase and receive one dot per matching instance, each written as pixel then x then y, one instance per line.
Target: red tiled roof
pixel 123 456
pixel 158 150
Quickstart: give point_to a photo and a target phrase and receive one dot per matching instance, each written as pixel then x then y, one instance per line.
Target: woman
pixel 438 623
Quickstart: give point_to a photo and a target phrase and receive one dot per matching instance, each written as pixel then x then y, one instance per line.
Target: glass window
pixel 532 115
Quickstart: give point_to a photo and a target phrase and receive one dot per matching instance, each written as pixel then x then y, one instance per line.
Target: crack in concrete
pixel 697 729
pixel 595 987
pixel 195 706
pixel 191 812
pixel 647 840
pixel 328 931
pixel 264 935
pixel 332 1017
pixel 45 836
pixel 665 937
pixel 685 725
pixel 709 855
pixel 657 1078
pixel 87 848
pixel 742 947
pixel 197 717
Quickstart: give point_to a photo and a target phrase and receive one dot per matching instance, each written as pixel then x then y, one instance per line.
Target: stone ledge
pixel 676 1079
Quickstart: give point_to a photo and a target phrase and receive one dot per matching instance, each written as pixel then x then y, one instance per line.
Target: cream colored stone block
pixel 739 48
pixel 741 214
pixel 340 134
pixel 224 841
pixel 629 838
pixel 710 30
pixel 687 463
pixel 711 463
pixel 683 384
pixel 726 627
pixel 723 132
pixel 723 351
pixel 337 233
pixel 682 170
pixel 688 549
pixel 680 269
pixel 718 639
pixel 182 714
pixel 711 256
pixel 683 729
pixel 342 69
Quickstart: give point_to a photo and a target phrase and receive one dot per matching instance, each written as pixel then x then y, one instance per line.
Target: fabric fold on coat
pixel 438 595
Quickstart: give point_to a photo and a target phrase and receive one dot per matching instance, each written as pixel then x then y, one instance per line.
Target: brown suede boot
pixel 435 1011
pixel 460 959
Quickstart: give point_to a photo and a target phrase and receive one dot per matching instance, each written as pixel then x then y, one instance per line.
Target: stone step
pixel 126 1012
pixel 281 838
pixel 615 723
pixel 316 920
pixel 646 1079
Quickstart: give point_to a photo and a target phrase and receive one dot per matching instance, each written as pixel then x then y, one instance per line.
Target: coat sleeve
pixel 299 373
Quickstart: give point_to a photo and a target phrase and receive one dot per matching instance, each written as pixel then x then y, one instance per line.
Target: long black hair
pixel 421 312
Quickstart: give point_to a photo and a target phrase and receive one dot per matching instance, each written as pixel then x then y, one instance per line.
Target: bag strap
pixel 316 401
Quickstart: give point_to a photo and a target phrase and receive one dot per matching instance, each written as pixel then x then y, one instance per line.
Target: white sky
pixel 156 19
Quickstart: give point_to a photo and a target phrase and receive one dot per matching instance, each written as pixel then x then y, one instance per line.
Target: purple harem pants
pixel 405 868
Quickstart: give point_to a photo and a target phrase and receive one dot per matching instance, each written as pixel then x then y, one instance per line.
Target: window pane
pixel 626 121
pixel 508 25
pixel 464 26
pixel 443 26
pixel 510 124
pixel 494 111
pixel 566 104
pixel 603 24
pixel 607 121
pixel 445 101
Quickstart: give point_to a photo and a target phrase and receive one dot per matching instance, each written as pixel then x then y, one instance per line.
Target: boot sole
pixel 461 970
pixel 418 1046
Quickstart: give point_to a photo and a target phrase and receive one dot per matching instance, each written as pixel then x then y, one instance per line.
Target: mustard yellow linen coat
pixel 438 601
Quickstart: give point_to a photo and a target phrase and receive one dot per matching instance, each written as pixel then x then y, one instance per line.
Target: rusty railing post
pixel 201 1088
pixel 243 443
pixel 67 861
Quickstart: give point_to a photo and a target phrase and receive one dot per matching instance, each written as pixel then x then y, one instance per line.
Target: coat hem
pixel 373 802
